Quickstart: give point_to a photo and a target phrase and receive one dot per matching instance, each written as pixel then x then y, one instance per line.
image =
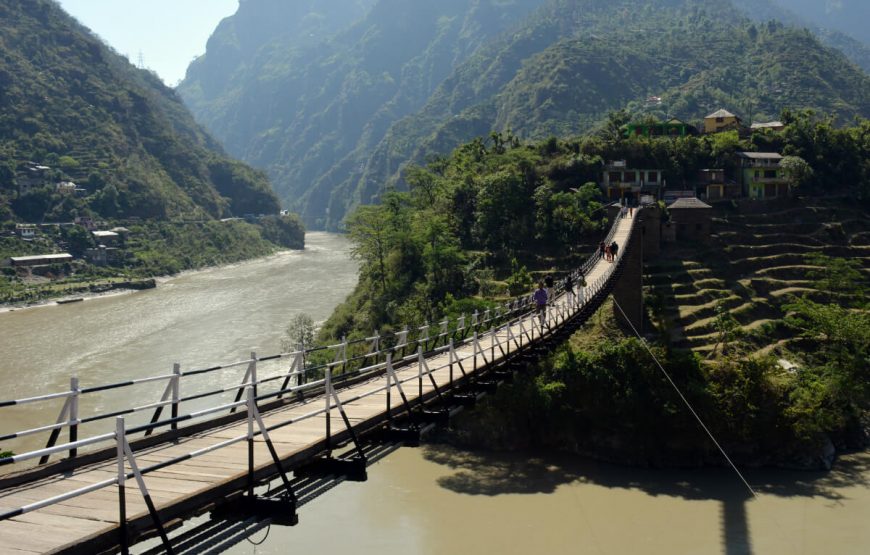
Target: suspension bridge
pixel 124 475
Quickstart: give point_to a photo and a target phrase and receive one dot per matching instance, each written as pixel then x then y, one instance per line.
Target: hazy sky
pixel 168 33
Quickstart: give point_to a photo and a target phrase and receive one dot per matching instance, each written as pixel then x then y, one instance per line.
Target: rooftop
pixel 766 124
pixel 687 202
pixel 721 114
pixel 760 155
pixel 64 256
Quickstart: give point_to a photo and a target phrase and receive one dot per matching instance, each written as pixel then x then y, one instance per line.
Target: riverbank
pixel 85 292
pixel 89 291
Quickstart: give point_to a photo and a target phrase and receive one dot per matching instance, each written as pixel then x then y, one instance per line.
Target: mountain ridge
pixel 352 149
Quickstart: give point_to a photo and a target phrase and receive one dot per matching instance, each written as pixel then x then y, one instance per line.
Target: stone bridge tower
pixel 644 242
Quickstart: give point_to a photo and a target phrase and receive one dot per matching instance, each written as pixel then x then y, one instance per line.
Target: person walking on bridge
pixel 540 297
pixel 614 248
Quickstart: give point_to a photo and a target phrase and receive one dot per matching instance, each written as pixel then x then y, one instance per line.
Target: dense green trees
pixel 474 221
pixel 69 102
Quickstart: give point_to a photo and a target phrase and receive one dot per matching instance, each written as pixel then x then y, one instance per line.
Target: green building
pixel 761 175
pixel 671 128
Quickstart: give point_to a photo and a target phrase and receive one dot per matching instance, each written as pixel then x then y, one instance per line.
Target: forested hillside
pixel 333 118
pixel 695 63
pixel 74 111
pixel 479 226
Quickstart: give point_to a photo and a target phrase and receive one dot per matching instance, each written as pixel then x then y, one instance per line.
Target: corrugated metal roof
pixel 686 202
pixel 760 155
pixel 41 257
pixel 721 114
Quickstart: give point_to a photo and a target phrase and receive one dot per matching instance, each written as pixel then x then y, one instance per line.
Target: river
pixel 430 500
pixel 197 319
pixel 439 500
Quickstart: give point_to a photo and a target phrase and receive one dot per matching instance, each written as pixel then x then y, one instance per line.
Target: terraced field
pixel 754 264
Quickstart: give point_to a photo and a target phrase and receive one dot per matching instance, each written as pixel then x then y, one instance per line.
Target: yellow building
pixel 721 120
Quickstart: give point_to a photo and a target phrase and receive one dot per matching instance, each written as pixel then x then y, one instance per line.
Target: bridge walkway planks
pixel 88 522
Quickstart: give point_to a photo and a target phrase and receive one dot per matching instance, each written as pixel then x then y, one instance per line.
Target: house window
pixel 720 120
pixel 770 174
pixel 652 177
pixel 630 177
pixel 757 173
pixel 615 177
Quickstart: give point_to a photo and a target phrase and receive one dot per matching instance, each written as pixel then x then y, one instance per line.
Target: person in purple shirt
pixel 540 297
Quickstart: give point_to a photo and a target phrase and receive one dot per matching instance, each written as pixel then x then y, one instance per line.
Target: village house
pixel 721 120
pixel 618 181
pixel 38 260
pixel 102 255
pixel 772 125
pixel 108 238
pixel 32 176
pixel 761 175
pixel 712 184
pixel 85 222
pixel 65 188
pixel 690 218
pixel 25 231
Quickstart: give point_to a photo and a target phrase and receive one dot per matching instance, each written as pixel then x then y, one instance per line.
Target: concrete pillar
pixel 629 289
pixel 650 220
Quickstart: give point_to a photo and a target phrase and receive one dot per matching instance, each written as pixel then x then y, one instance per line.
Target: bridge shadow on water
pixel 494 473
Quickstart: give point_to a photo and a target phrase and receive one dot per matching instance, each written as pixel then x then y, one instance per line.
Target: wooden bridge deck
pixel 90 522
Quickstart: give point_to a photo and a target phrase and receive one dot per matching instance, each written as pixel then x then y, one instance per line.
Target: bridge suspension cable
pixel 686 401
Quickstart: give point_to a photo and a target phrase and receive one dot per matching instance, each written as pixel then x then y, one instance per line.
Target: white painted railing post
pixel 420 363
pixel 424 332
pixel 252 366
pixel 175 384
pixel 341 355
pixel 402 341
pixel 122 479
pixel 74 413
pixel 327 388
pixel 451 357
pixel 389 372
pixel 250 406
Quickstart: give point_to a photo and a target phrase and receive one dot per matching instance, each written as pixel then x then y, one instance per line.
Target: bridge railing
pixel 500 335
pixel 345 360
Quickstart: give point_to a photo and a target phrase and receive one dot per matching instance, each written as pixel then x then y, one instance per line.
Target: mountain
pixel 794 13
pixel 847 16
pixel 334 121
pixel 309 107
pixel 71 109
